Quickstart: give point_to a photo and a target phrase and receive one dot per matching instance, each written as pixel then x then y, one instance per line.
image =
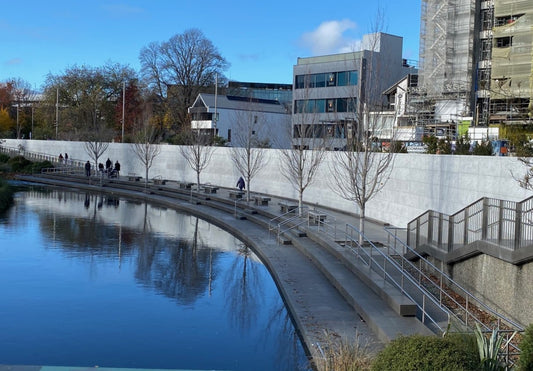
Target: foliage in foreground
pixel 6 195
pixel 525 363
pixel 19 164
pixel 345 356
pixel 454 352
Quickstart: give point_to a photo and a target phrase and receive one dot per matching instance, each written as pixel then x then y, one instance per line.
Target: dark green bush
pixel 4 158
pixel 454 352
pixel 37 166
pixel 6 195
pixel 19 164
pixel 525 363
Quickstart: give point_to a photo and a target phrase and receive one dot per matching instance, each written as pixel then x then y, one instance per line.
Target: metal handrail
pixel 282 217
pixel 388 264
pixel 329 224
pixel 506 223
pixel 470 299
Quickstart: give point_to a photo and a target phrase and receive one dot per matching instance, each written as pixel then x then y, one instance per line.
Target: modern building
pixel 476 61
pixel 236 118
pixel 331 92
pixel 272 91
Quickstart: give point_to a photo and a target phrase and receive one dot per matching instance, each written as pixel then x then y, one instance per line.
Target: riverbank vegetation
pixel 9 166
pixel 6 195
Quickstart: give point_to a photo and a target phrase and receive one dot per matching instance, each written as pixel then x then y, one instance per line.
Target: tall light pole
pixel 57 110
pixel 123 107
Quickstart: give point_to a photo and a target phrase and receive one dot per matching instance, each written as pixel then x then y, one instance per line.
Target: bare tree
pixel 363 169
pixel 197 152
pixel 300 164
pixel 22 98
pixel 179 68
pixel 145 147
pixel 249 136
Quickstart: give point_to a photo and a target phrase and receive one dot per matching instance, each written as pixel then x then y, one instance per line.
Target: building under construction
pixel 476 62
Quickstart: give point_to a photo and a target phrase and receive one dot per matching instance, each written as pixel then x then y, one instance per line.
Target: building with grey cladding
pixel 330 91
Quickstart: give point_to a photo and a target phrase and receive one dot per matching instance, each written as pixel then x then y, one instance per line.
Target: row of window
pixel 341 130
pixel 325 105
pixel 321 80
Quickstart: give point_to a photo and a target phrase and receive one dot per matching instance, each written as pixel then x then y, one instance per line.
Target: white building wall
pixel 417 183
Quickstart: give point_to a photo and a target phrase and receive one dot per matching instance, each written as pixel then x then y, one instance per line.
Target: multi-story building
pixel 476 60
pixel 240 119
pixel 331 92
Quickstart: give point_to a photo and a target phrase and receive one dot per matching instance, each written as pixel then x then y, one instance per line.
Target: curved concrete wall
pixel 418 182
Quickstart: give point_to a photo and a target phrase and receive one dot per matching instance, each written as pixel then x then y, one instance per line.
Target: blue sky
pixel 260 39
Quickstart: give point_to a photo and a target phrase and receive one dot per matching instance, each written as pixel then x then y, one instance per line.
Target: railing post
pixel 430 228
pixel 451 233
pixel 518 226
pixel 465 230
pixel 500 222
pixel 485 219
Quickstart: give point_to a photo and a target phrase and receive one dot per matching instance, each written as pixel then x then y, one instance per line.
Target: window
pixel 504 42
pixel 506 19
pixel 342 105
pixel 330 105
pixel 229 135
pixel 320 80
pixel 342 78
pixel 331 79
pixel 353 77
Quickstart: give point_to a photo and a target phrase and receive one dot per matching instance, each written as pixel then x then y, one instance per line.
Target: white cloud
pixel 329 38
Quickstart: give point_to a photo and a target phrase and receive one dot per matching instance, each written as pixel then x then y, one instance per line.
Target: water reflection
pixel 91 279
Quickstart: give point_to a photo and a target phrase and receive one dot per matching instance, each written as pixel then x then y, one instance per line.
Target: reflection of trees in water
pixel 244 290
pixel 288 342
pixel 181 271
pixel 245 293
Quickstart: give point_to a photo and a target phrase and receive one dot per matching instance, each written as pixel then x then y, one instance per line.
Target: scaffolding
pixel 446 46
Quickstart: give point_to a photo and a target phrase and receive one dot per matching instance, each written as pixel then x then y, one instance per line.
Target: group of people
pixel 63 159
pixel 110 171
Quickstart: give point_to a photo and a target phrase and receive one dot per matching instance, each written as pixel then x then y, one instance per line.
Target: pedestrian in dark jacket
pixel 241 184
pixel 88 168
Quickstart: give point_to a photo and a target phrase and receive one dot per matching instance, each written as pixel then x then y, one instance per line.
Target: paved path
pixel 321 313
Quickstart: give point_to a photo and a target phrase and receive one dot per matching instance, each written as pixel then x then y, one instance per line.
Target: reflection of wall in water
pixel 129 215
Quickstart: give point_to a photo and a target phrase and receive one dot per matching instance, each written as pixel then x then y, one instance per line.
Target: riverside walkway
pixel 327 299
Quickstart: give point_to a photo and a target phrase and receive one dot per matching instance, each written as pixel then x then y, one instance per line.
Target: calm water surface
pixel 91 280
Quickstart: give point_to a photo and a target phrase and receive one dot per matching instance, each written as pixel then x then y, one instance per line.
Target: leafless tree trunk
pixel 249 155
pixel 363 169
pixel 144 147
pixel 198 153
pixel 300 164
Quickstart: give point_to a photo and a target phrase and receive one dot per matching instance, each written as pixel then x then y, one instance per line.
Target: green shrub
pixel 525 363
pixel 6 195
pixel 454 352
pixel 19 164
pixel 36 167
pixel 4 158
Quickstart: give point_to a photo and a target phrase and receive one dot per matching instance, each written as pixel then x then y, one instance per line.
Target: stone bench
pixel 159 181
pixel 132 177
pixel 316 217
pixel 185 185
pixel 261 200
pixel 236 194
pixel 288 207
pixel 210 189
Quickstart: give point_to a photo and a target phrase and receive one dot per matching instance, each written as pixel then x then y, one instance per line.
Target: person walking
pixel 117 168
pixel 88 168
pixel 241 184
